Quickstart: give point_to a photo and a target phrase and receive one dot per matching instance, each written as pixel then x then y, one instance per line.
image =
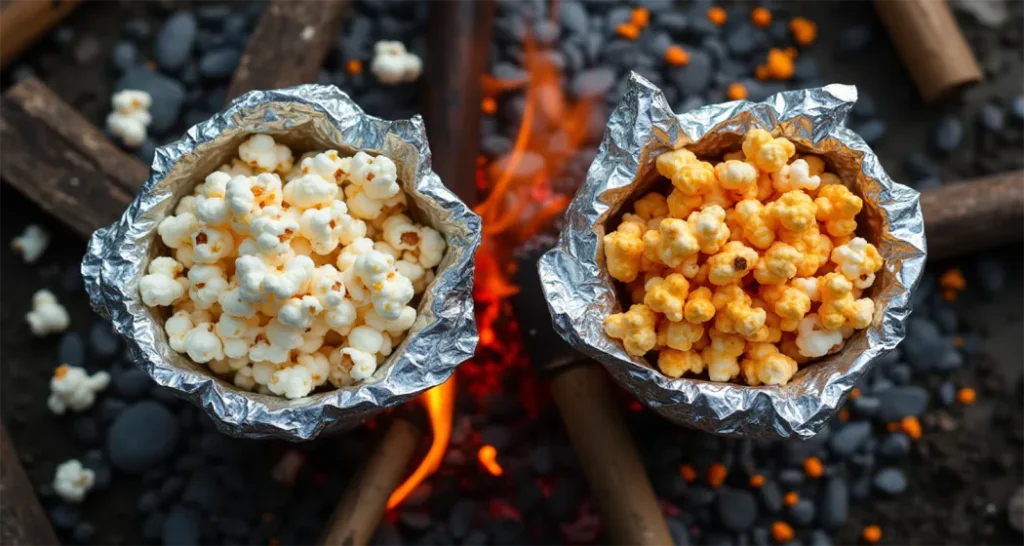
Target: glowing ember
pixel 488 459
pixel 439 402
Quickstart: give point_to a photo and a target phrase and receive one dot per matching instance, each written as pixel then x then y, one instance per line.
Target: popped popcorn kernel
pixel 651 205
pixel 837 208
pixel 732 263
pixel 736 175
pixel 623 249
pixel 681 205
pixel 778 265
pixel 765 365
pixel 858 260
pixel 699 306
pixel 794 210
pixel 636 329
pixel 766 153
pixel 795 176
pixel 670 163
pixel 709 228
pixel 813 340
pixel 47 316
pixel 721 356
pixel 674 363
pixel 263 154
pixel 72 481
pixel 31 243
pixel 681 336
pixel 695 178
pixel 667 296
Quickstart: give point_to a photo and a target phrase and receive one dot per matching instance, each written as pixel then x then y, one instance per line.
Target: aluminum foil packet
pixel 306 118
pixel 580 293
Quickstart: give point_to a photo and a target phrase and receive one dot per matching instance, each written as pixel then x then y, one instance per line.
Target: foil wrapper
pixel 580 293
pixel 306 118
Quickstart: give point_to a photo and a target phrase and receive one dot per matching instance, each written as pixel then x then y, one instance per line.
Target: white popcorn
pixel 202 344
pixel 854 262
pixel 210 205
pixel 237 336
pixel 279 340
pixel 130 117
pixel 250 271
pixel 186 204
pixel 361 205
pixel 348 256
pixel 176 231
pixel 328 165
pixel 246 194
pixel 263 154
pixel 180 324
pixel 273 229
pixel 314 336
pixel 317 365
pixel 795 176
pixel 232 303
pixel 432 247
pixel 310 190
pixel 243 379
pixel 394 327
pixel 360 365
pixel 31 243
pixel 807 285
pixel 401 233
pixel 384 247
pixel 292 382
pixel 47 315
pixel 389 290
pixel 365 339
pixel 329 226
pixel 72 481
pixel 206 284
pixel 299 312
pixel 237 167
pixel 374 267
pixel 413 271
pixel 72 388
pixel 289 280
pixel 164 284
pixel 342 316
pixel 812 340
pixel 378 176
pixel 392 64
pixel 185 255
pixel 211 244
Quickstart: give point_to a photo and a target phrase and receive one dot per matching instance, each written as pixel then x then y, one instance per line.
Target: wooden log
pixel 60 161
pixel 458 45
pixel 360 510
pixel 22 520
pixel 288 46
pixel 933 49
pixel 22 22
pixel 974 215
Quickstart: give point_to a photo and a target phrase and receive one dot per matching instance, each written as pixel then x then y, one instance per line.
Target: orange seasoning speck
pixel 854 393
pixel 813 467
pixel 688 473
pixel 892 427
pixel 628 31
pixel 762 72
pixel 489 106
pixel 844 415
pixel 676 56
pixel 872 534
pixel 966 396
pixel 791 498
pixel 354 66
pixel 804 30
pixel 61 371
pixel 736 91
pixel 761 17
pixel 911 426
pixel 756 480
pixel 717 16
pixel 716 474
pixel 949 295
pixel 640 17
pixel 780 65
pixel 958 342
pixel 782 532
pixel 953 279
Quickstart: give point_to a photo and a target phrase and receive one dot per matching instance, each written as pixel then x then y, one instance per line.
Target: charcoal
pixel 802 513
pixel 175 41
pixel 103 342
pixel 737 509
pixel 890 481
pixel 847 439
pixel 900 402
pixel 833 504
pixel 142 436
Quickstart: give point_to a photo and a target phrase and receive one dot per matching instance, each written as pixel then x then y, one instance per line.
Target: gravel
pixel 771 496
pixel 894 445
pixel 854 39
pixel 695 76
pixel 890 481
pixel 992 118
pixel 737 509
pixel 834 504
pixel 175 41
pixel 132 384
pixel 948 134
pixel 142 436
pixel 65 516
pixel 168 96
pixel 900 402
pixel 219 64
pixel 802 513
pixel 849 438
pixel 181 527
pixel 84 532
pixel 592 84
pixel 71 350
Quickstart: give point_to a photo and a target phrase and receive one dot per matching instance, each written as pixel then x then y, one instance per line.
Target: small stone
pixel 592 84
pixel 136 29
pixel 86 49
pixel 461 517
pixel 153 526
pixel 679 531
pixel 673 22
pixel 102 472
pixel 771 496
pixel 890 481
pixel 834 503
pixel 124 55
pixel 168 96
pixel 416 521
pixel 849 438
pixel 819 538
pixel 175 41
pixel 71 350
pixel 495 145
pixel 146 151
pixel 103 342
pixel 219 64
pixel 854 39
pixel 233 527
pixel 791 478
pixel 991 275
pixel 212 14
pixel 900 374
pixel 992 118
pixel 871 131
pixel 181 527
pixel 900 402
pixel 695 76
pixel 132 384
pixel 65 516
pixel 802 513
pixel 63 35
pixel 171 487
pixel 1017 107
pixel 742 40
pixel 542 460
pixel 142 436
pixel 866 406
pixel 923 345
pixel 948 134
pixel 149 501
pixel 947 394
pixel 699 497
pixel 203 491
pixel 951 360
pixel 84 532
pixel 737 509
pixel 573 17
pixel 110 408
pixel 806 68
pixel 546 32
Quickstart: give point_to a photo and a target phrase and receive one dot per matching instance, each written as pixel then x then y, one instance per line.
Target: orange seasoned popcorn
pixel 746 269
pixel 717 16
pixel 736 91
pixel 804 30
pixel 761 17
pixel 628 31
pixel 676 56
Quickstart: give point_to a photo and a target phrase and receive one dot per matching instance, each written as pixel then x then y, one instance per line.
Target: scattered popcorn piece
pixel 813 340
pixel 858 260
pixel 164 285
pixel 72 481
pixel 392 64
pixel 47 316
pixel 72 388
pixel 636 329
pixel 130 117
pixel 262 153
pixel 31 243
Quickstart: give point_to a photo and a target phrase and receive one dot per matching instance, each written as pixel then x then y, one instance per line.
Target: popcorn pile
pixel 130 117
pixel 288 275
pixel 749 266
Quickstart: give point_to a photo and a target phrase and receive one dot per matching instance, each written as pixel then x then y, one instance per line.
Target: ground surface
pixel 961 473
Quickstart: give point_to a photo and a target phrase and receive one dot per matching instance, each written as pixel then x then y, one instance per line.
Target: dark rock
pixel 742 40
pixel 919 166
pixel 203 491
pixel 132 384
pixel 950 360
pixel 900 374
pixel 542 460
pixel 991 275
pixel 146 151
pixel 593 83
pixel 900 402
pixel 819 538
pixel 946 317
pixel 154 476
pixel 233 527
pixel 563 501
pixel 737 509
pixel 87 48
pixel 771 496
pixel 149 501
pixel 460 520
pixel 679 531
pixel 673 22
pixel 175 41
pixel 110 408
pixel 495 145
pixel 136 29
pixel 806 68
pixel 142 436
pixel 854 39
pixel 1015 508
pixel 71 350
pixel 866 406
pixel 65 516
pixel 101 469
pixel 497 435
pixel 546 32
pixel 947 397
pixel 219 64
pixel 573 17
pixel 168 96
pixel 992 118
pixel 171 487
pixel 475 538
pixel 695 76
pixel 415 521
pixel 124 55
pixel 834 504
pixel 103 342
pixel 923 345
pixel 1017 108
pixel 181 527
pixel 84 532
pixel 890 481
pixel 948 134
pixel 63 35
pixel 791 478
pixel 85 429
pixel 802 513
pixel 849 438
pixel 509 72
pixel 871 130
pixel 655 43
pixel 188 463
pixel 153 526
pixel 212 14
pixel 699 497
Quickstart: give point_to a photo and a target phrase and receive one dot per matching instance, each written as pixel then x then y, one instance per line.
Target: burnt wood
pixel 974 215
pixel 288 45
pixel 22 22
pixel 22 520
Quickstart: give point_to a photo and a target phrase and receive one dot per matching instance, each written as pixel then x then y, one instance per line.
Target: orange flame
pixel 488 459
pixel 440 403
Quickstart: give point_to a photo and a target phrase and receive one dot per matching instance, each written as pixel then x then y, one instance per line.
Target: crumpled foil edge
pixel 443 336
pixel 580 293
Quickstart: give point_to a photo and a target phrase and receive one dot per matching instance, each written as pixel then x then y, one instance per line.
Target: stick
pixel 974 215
pixel 360 510
pixel 931 45
pixel 22 520
pixel 288 46
pixel 22 22
pixel 60 161
pixel 617 480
